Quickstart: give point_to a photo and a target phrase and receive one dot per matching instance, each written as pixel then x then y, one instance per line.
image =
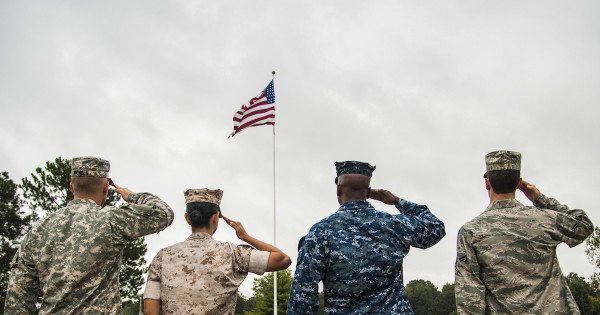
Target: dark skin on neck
pixel 354 187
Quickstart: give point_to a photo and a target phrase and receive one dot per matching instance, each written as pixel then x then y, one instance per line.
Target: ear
pixel 71 188
pixel 187 219
pixel 519 184
pixel 215 221
pixel 488 186
pixel 339 190
pixel 368 192
pixel 105 189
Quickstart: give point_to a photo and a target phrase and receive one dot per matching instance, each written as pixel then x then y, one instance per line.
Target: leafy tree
pixel 13 224
pixel 446 301
pixel 583 294
pixel 422 296
pixel 263 293
pixel 48 190
pixel 592 250
pixel 425 298
pixel 132 307
pixel 244 305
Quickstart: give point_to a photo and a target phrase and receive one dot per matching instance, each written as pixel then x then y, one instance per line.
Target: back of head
pixel 503 170
pixel 353 179
pixel 354 186
pixel 505 181
pixel 200 213
pixel 89 175
pixel 201 205
pixel 87 186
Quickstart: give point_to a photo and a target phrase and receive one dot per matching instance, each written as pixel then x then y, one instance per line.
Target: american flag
pixel 260 111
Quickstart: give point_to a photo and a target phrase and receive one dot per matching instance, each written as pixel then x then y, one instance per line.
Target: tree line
pixel 424 297
pixel 47 189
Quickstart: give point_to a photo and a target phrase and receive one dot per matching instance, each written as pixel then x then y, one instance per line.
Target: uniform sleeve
pixel 426 228
pixel 145 214
pixel 23 285
pixel 258 261
pixel 469 289
pixel 572 226
pixel 310 270
pixel 152 290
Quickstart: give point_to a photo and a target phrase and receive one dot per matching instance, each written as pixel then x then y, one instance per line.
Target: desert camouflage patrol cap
pixel 203 195
pixel 89 166
pixel 353 167
pixel 503 160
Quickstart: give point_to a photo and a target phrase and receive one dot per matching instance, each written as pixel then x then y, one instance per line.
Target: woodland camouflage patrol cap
pixel 503 160
pixel 88 166
pixel 203 195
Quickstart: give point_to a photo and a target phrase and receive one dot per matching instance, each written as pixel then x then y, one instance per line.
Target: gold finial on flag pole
pixel 273 72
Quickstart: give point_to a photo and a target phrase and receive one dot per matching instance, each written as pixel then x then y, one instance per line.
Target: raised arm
pixel 426 228
pixel 143 214
pixel 572 226
pixel 278 260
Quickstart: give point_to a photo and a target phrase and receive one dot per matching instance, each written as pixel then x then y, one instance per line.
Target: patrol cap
pixel 503 160
pixel 89 166
pixel 203 195
pixel 353 167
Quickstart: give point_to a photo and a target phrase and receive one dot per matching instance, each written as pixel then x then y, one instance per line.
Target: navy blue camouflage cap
pixel 353 167
pixel 88 166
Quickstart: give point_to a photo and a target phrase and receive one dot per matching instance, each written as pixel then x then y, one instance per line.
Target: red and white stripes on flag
pixel 260 111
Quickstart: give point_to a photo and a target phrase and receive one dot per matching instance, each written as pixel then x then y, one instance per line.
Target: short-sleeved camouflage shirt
pixel 201 275
pixel 71 258
pixel 506 258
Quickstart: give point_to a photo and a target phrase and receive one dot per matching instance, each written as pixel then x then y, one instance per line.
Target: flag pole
pixel 274 218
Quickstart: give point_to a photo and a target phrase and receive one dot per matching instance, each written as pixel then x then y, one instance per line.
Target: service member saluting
pixel 71 258
pixel 506 257
pixel 202 275
pixel 358 251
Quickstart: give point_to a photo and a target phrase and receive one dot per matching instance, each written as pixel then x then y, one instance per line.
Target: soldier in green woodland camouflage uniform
pixel 506 257
pixel 71 258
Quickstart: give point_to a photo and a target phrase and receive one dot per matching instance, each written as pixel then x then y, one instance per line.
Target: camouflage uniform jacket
pixel 72 257
pixel 201 275
pixel 357 252
pixel 506 258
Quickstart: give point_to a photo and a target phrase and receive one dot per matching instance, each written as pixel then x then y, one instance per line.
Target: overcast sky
pixel 423 90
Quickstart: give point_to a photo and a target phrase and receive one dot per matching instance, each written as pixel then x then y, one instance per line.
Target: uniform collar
pixel 354 205
pixel 82 201
pixel 199 236
pixel 506 203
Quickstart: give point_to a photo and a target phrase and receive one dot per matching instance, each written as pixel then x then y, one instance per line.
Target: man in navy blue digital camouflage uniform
pixel 357 252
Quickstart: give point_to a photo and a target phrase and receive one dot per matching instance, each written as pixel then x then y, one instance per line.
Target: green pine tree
pixel 13 225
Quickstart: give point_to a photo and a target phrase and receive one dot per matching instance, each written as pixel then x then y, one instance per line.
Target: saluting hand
pixel 124 192
pixel 530 190
pixel 238 227
pixel 384 196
